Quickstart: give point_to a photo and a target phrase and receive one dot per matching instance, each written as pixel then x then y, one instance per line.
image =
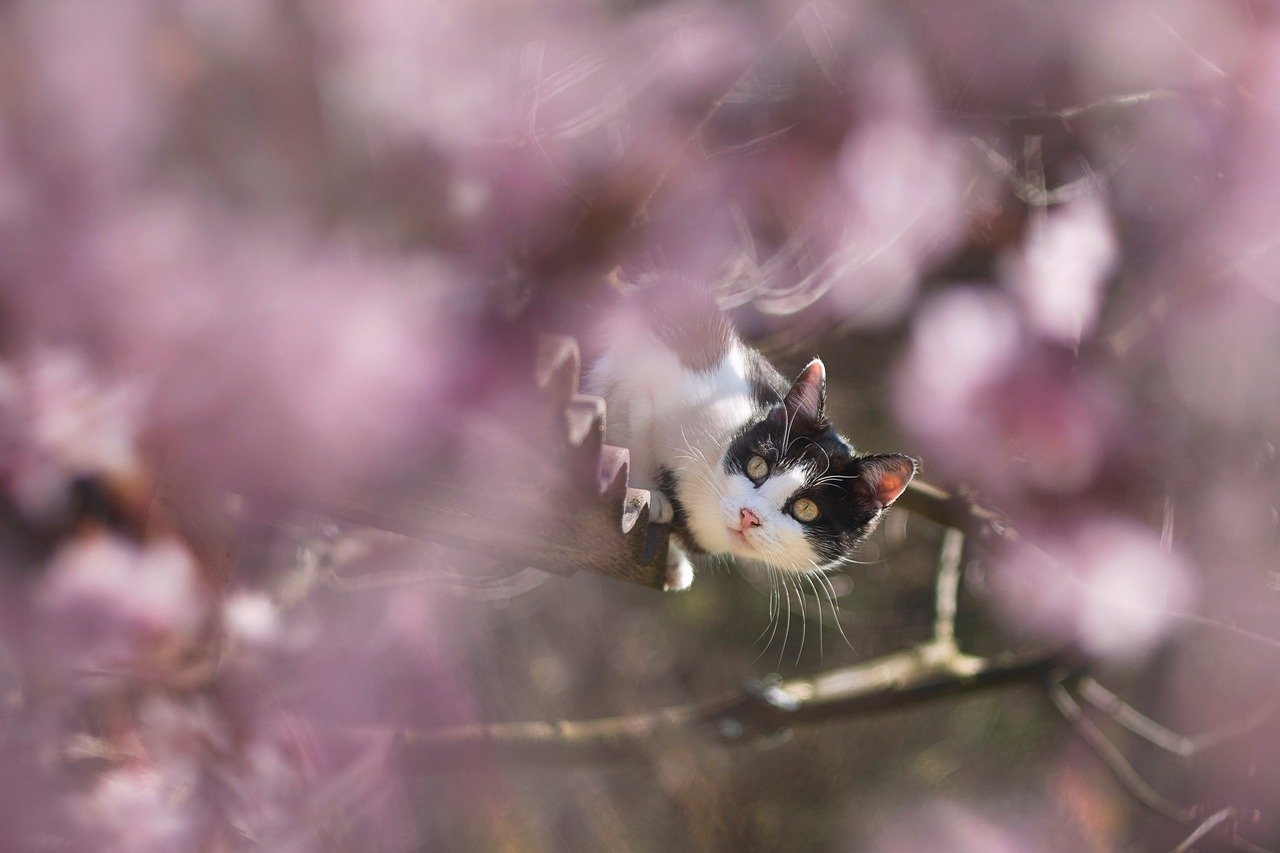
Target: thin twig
pixel 1183 746
pixel 1114 758
pixel 1205 622
pixel 1125 773
pixel 1041 121
pixel 640 214
pixel 951 510
pixel 949 572
pixel 1210 823
pixel 1133 720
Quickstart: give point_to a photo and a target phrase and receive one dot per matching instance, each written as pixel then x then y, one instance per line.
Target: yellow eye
pixel 805 510
pixel 757 468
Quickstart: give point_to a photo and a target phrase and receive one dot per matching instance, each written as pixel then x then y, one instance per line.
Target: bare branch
pixel 1041 121
pixel 1149 730
pixel 949 572
pixel 961 511
pixel 1114 758
pixel 905 678
pixel 1210 823
pixel 1232 630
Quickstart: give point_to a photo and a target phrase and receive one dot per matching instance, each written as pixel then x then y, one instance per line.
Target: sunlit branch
pixel 929 670
pixel 948 591
pixel 896 680
pixel 1210 823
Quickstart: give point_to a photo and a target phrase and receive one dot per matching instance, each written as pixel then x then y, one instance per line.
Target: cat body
pixel 739 460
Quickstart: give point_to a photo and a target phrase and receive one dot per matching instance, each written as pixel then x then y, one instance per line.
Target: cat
pixel 737 459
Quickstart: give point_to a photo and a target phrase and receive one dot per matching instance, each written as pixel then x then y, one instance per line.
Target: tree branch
pixel 914 676
pixel 929 670
pixel 948 589
pixel 1040 122
pixel 1182 746
pixel 951 510
pixel 1210 823
pixel 1115 759
pixel 1132 781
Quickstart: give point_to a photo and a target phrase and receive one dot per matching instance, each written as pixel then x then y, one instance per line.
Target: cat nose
pixel 748 519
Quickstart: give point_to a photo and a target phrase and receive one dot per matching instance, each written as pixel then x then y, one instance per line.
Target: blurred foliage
pixel 300 242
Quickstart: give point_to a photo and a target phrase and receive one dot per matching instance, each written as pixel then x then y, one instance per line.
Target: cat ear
pixel 808 395
pixel 887 475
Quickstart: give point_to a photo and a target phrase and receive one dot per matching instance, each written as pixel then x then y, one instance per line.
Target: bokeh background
pixel 292 243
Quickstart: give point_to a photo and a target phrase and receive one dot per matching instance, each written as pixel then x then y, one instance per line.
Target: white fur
pixel 668 415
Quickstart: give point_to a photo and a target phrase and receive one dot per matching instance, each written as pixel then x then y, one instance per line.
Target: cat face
pixel 790 491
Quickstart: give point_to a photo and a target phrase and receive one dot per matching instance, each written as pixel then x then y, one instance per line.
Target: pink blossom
pixel 1059 273
pixel 118 602
pixel 1107 585
pixel 138 808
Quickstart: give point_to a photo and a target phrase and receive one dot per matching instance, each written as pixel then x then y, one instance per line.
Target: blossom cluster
pixel 277 244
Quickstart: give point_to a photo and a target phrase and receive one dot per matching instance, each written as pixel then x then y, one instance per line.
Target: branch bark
pixel 910 677
pixel 929 670
pixel 960 511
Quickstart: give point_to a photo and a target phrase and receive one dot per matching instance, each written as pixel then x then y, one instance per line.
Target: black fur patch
pixel 680 519
pixel 767 384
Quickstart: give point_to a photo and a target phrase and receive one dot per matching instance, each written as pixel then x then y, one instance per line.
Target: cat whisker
pixel 786 635
pixel 804 619
pixel 827 455
pixel 775 596
pixel 786 429
pixel 835 607
pixel 808 570
pixel 821 652
pixel 787 444
pixel 775 611
pixel 772 589
pixel 704 487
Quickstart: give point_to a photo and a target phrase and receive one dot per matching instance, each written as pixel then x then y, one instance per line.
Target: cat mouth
pixel 739 538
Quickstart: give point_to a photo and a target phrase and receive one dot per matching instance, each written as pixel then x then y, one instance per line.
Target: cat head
pixel 791 492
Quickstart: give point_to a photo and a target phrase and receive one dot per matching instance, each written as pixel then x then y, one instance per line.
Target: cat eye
pixel 805 510
pixel 757 468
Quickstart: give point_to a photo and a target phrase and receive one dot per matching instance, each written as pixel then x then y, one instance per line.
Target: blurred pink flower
pixel 58 422
pixel 251 618
pixel 864 226
pixel 140 808
pixel 92 89
pixel 892 234
pixel 1105 584
pixel 956 827
pixel 110 605
pixel 1143 45
pixel 963 340
pixel 1059 272
pixel 1214 352
pixel 402 67
pixel 994 408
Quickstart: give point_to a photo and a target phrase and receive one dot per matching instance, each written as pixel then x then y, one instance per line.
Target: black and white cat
pixel 739 460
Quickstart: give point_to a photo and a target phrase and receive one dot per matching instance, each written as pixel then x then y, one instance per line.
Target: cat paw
pixel 679 573
pixel 660 509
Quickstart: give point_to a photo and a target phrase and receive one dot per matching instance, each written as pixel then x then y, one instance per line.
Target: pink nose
pixel 748 519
